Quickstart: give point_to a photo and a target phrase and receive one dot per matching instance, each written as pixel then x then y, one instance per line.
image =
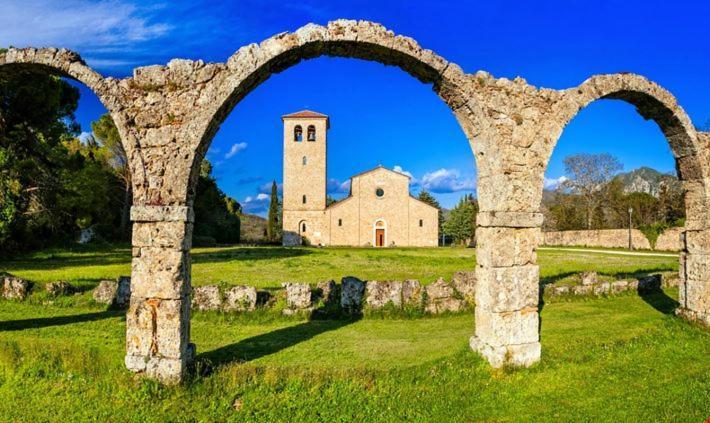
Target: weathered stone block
pixel 502 289
pixel 619 286
pixel 509 219
pixel 351 293
pixel 114 293
pixel 502 247
pixel 601 288
pixel 207 298
pixel 157 328
pixel 59 288
pixel 523 355
pixel 562 290
pixel 15 288
pixel 328 291
pixel 464 282
pixel 380 293
pixel 298 295
pixel 588 278
pixel 240 298
pixel 441 297
pixel 513 327
pixel 412 293
pixel 171 234
pixel 582 289
pixel 144 213
pixel 161 273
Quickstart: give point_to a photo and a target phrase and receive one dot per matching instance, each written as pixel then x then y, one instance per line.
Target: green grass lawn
pixel 623 358
pixel 610 359
pixel 270 266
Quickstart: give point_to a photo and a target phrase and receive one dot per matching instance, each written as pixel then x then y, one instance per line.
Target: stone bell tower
pixel 304 183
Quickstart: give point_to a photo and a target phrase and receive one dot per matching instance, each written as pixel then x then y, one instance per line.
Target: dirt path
pixel 618 252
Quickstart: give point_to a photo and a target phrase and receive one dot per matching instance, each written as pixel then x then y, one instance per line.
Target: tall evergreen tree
pixel 273 227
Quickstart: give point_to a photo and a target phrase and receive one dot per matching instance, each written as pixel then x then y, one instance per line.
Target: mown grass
pixel 610 359
pixel 266 267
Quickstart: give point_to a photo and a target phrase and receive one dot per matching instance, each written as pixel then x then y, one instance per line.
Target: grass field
pixel 270 266
pixel 623 358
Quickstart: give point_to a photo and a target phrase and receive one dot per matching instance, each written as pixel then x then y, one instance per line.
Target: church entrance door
pixel 380 237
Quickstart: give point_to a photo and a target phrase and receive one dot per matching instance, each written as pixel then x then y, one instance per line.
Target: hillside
pixel 253 229
pixel 646 180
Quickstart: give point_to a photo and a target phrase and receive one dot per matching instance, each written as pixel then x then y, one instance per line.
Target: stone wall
pixel 607 238
pixel 669 240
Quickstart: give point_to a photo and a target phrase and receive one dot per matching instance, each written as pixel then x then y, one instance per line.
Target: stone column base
pixel 522 355
pixel 165 369
pixel 693 316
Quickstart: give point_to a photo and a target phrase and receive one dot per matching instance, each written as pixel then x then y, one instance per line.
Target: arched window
pixel 303 227
pixel 311 133
pixel 298 133
pixel 304 198
pixel 340 222
pixel 305 160
pixel 421 223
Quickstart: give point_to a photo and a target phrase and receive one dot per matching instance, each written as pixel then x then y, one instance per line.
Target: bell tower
pixel 304 183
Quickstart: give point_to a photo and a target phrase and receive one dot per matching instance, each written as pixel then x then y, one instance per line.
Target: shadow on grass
pixel 248 253
pixel 270 343
pixel 43 322
pixel 659 300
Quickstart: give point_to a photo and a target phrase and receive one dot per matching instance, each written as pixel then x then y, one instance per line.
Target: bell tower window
pixel 305 161
pixel 304 199
pixel 311 133
pixel 298 133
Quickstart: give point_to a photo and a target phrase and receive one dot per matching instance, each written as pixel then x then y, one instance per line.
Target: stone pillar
pixel 507 289
pixel 694 289
pixel 158 319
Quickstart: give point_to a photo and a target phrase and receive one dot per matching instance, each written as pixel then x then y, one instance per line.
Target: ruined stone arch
pixel 691 150
pixel 253 64
pixel 68 64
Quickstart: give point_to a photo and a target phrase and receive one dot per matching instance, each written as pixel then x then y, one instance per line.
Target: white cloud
pixel 399 169
pixel 266 188
pixel 446 181
pixel 236 148
pixel 77 23
pixel 256 204
pixel 553 183
pixel 334 186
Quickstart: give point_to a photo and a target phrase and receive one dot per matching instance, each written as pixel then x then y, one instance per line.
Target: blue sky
pixel 381 115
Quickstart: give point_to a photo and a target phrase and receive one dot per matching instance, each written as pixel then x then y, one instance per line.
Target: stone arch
pixel 253 64
pixel 691 150
pixel 68 64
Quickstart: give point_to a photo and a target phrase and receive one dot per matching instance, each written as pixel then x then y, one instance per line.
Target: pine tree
pixel 273 227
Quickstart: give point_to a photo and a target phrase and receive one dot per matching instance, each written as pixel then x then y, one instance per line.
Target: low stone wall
pixel 351 296
pixel 590 285
pixel 669 240
pixel 608 238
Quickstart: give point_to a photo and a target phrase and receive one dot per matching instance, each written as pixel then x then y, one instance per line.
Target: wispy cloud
pixel 266 188
pixel 553 183
pixel 257 204
pixel 335 186
pixel 399 169
pixel 236 148
pixel 444 181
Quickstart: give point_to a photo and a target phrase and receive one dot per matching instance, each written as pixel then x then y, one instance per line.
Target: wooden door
pixel 380 237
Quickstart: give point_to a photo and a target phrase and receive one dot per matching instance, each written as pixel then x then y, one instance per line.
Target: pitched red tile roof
pixel 305 114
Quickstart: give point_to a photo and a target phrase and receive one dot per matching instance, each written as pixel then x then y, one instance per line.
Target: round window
pixel 379 192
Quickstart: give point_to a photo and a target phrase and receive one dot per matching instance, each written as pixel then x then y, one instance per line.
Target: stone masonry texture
pixel 168 114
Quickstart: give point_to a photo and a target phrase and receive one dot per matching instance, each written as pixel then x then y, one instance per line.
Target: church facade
pixel 379 210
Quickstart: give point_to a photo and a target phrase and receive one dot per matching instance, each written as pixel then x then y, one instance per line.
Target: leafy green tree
pixel 217 216
pixel 426 197
pixel 461 224
pixel 105 131
pixel 274 227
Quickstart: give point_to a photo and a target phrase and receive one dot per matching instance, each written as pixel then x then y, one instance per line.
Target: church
pixel 378 212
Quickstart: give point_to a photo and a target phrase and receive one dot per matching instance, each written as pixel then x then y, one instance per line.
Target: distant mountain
pixel 252 229
pixel 647 180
